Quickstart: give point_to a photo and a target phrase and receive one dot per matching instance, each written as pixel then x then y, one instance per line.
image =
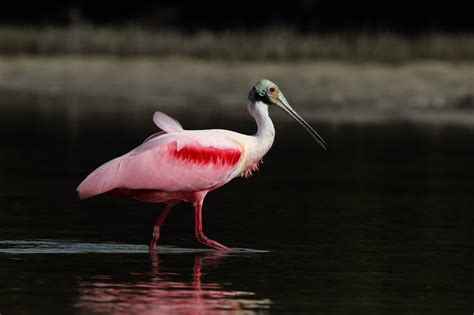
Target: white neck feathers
pixel 265 132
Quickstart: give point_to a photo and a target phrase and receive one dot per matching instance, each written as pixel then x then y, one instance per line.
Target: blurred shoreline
pixel 421 91
pixel 266 44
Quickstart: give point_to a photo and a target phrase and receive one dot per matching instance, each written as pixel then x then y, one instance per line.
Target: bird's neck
pixel 265 132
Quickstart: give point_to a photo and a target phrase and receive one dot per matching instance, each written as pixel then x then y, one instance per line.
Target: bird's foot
pixel 201 238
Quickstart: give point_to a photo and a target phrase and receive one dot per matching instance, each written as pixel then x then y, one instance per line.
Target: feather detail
pixel 155 135
pixel 167 123
pixel 193 153
pixel 101 180
pixel 253 167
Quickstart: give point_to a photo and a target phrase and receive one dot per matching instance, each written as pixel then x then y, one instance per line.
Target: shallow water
pixel 381 223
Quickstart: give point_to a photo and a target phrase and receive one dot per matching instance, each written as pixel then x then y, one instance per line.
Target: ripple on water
pixel 71 247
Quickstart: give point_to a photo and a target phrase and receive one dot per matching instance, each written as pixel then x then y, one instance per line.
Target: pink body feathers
pixel 170 162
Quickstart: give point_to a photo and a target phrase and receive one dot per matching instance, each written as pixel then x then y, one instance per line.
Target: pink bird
pixel 177 165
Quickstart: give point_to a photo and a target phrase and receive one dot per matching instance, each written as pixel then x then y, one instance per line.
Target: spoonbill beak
pixel 283 104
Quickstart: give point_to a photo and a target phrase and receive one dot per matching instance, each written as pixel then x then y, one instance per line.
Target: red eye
pixel 272 89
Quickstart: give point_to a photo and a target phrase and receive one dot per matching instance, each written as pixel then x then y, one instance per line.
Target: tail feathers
pixel 103 179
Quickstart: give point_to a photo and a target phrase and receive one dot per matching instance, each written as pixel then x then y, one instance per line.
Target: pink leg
pixel 201 238
pixel 156 229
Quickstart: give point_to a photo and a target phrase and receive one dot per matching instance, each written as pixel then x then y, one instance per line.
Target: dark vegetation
pixel 270 44
pixel 292 30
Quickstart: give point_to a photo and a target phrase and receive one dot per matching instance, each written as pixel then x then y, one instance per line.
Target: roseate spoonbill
pixel 176 165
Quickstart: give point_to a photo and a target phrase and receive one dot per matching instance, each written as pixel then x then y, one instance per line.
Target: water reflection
pixel 382 223
pixel 164 292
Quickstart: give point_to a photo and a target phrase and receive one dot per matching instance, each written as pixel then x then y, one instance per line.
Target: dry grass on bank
pixel 272 44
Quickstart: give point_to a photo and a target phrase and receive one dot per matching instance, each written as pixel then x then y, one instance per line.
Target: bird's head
pixel 268 92
pixel 265 91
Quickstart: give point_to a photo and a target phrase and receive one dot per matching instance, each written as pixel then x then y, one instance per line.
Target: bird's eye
pixel 272 89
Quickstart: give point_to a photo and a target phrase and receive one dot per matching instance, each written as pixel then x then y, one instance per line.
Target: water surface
pixel 381 223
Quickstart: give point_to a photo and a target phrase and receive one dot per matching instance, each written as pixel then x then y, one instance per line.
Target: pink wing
pixel 175 162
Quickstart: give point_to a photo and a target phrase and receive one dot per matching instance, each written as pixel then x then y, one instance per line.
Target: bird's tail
pixel 103 179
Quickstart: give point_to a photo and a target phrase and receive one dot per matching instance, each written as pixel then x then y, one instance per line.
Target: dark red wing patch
pixel 197 154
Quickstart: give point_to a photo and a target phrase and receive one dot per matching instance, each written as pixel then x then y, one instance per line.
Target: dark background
pixel 407 17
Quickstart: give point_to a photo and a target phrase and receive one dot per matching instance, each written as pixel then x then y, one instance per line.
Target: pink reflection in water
pixel 159 294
